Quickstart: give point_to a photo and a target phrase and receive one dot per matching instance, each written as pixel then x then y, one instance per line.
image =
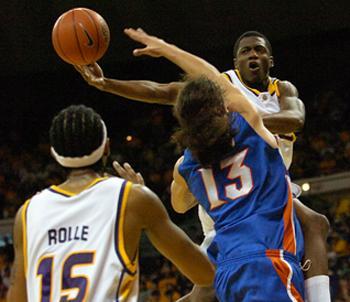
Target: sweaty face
pixel 253 60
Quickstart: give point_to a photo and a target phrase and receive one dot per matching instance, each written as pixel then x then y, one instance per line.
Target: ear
pixel 272 62
pixel 235 63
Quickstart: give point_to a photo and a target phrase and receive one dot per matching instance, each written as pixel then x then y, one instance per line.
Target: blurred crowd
pixel 339 250
pixel 322 149
pixel 6 259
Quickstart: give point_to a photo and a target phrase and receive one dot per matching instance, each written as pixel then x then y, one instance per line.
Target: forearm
pixel 283 123
pixel 143 91
pixel 315 229
pixel 260 129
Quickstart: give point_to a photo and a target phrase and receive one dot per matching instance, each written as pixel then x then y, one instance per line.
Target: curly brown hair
pixel 204 121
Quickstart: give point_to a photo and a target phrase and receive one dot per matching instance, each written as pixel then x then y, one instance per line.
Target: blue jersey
pixel 248 196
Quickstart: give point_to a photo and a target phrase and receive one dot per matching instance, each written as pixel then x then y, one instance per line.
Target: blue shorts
pixel 269 276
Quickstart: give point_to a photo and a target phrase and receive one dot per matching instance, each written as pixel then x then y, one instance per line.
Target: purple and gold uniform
pixel 78 254
pixel 258 243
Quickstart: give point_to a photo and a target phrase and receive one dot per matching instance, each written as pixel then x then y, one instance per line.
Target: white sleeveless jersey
pixel 74 246
pixel 266 102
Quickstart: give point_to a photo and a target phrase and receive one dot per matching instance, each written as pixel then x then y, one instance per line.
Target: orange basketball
pixel 80 36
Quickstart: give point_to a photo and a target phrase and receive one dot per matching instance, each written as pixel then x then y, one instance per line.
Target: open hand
pixel 128 173
pixel 154 46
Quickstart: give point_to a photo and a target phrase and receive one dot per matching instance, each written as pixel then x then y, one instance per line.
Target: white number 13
pixel 237 170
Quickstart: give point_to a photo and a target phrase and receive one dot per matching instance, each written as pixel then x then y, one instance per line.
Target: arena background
pixel 311 46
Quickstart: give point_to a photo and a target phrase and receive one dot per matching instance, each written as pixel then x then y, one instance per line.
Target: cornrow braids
pixel 76 131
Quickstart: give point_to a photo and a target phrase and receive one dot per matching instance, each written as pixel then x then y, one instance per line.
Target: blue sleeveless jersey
pixel 248 196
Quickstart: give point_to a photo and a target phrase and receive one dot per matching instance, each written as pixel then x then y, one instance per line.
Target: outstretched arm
pixel 155 47
pixel 195 67
pixel 138 90
pixel 291 117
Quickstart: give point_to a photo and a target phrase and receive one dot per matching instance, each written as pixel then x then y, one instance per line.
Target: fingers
pixel 119 169
pixel 133 34
pixel 140 52
pixel 138 35
pixel 94 67
pixel 140 179
pixel 127 172
pixel 83 70
pixel 129 169
pixel 78 68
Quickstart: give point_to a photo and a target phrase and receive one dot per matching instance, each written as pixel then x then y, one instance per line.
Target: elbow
pixel 299 122
pixel 317 224
pixel 323 224
pixel 180 211
pixel 178 208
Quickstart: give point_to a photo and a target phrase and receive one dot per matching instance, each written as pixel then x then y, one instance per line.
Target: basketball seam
pixel 97 32
pixel 77 38
pixel 58 39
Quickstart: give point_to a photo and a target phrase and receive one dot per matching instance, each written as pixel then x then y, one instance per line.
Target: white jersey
pixel 267 103
pixel 74 246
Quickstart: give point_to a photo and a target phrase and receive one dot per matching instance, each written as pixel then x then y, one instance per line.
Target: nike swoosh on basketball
pixel 90 40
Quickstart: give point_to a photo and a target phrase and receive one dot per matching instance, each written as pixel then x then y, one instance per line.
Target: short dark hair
pixel 76 131
pixel 205 127
pixel 251 33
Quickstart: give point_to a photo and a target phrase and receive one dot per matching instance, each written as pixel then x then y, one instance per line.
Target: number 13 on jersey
pixel 237 171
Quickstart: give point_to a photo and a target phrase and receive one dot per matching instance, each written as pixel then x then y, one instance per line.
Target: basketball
pixel 80 36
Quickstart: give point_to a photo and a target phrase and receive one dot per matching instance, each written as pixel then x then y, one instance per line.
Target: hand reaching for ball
pixel 92 74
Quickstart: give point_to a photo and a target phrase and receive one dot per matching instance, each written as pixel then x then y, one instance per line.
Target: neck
pixel 82 174
pixel 261 86
pixel 79 179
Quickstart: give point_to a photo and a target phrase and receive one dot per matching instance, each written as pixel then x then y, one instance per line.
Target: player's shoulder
pixel 228 74
pixel 287 87
pixel 41 194
pixel 141 197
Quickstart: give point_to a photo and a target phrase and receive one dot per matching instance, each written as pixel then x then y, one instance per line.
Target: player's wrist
pixel 106 84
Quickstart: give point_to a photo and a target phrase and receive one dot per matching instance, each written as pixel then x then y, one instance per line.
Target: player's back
pixel 247 195
pixel 74 247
